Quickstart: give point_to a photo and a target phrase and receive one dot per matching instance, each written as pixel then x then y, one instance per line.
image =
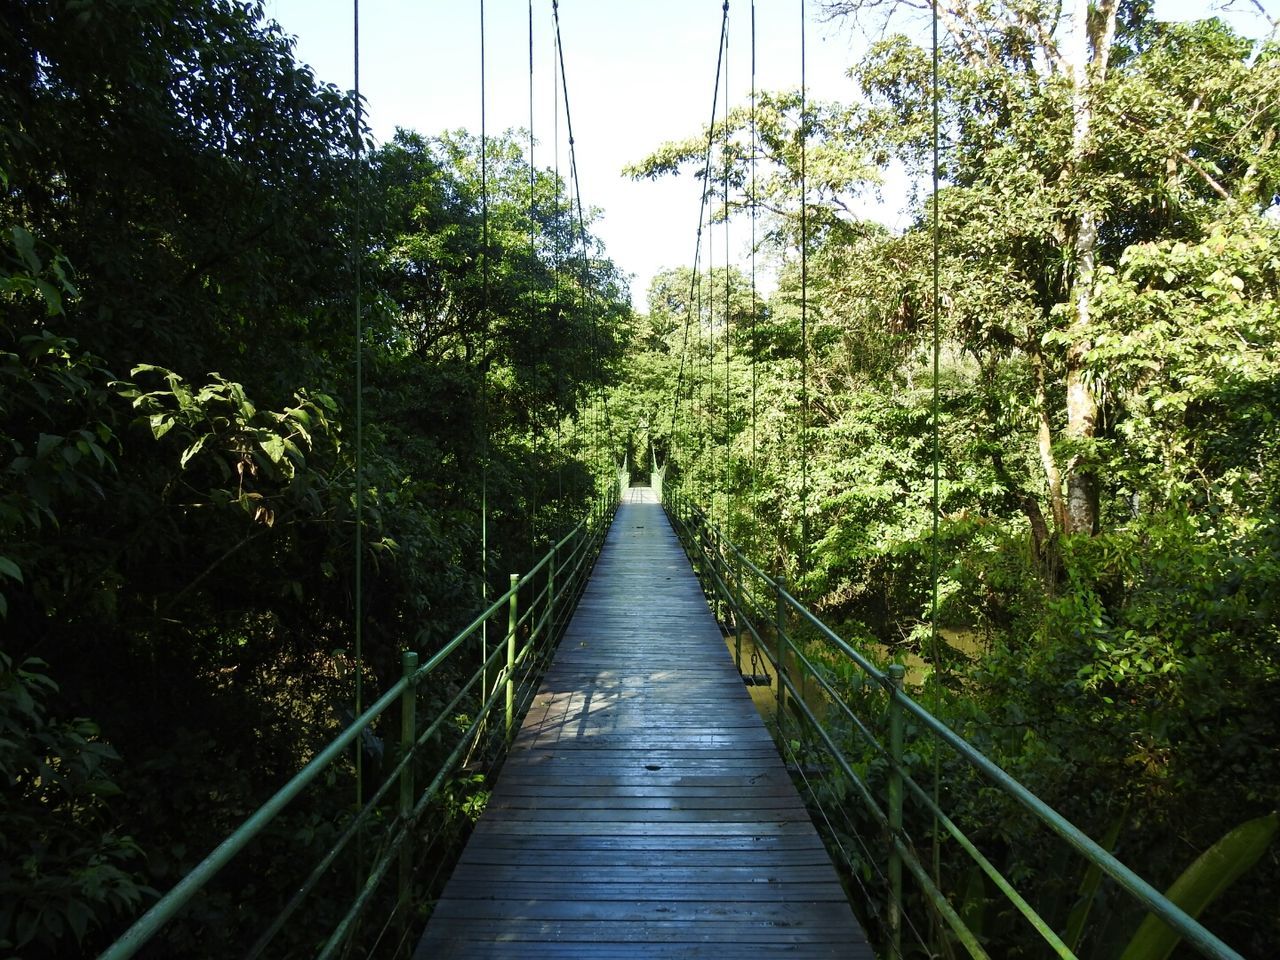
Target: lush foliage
pixel 177 420
pixel 1109 360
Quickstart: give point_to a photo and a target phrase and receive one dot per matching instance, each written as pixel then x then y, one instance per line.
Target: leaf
pixel 152 368
pixel 192 450
pixel 46 443
pixel 10 569
pixel 1089 889
pixel 52 298
pixel 25 244
pixel 161 423
pixel 273 447
pixel 1201 883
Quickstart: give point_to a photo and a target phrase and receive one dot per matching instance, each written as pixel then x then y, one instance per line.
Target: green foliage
pixel 178 442
pixel 1108 321
pixel 1201 883
pixel 64 870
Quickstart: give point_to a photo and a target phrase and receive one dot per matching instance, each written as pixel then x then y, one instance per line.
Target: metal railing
pixel 537 605
pixel 760 608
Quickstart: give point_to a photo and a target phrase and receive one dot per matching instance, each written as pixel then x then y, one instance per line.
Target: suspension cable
pixel 709 377
pixel 936 502
pixel 702 210
pixel 754 303
pixel 602 397
pixel 357 249
pixel 728 496
pixel 484 349
pixel 804 307
pixel 558 253
pixel 532 306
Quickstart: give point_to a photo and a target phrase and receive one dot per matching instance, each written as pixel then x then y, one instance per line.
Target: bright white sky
pixel 640 72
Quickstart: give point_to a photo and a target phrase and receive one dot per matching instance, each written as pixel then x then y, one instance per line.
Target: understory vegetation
pixel 1108 385
pixel 178 436
pixel 189 225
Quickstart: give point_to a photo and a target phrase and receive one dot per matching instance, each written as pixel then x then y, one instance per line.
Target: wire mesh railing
pixel 842 723
pixel 460 723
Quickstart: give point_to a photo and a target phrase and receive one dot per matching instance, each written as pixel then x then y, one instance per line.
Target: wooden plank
pixel 788 914
pixel 497 876
pixel 643 810
pixel 594 799
pixel 680 849
pixel 754 892
pixel 639 934
pixel 595 950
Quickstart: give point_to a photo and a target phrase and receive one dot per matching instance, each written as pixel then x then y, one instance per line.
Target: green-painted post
pixel 408 734
pixel 551 596
pixel 780 625
pixel 738 607
pixel 713 554
pixel 896 672
pixel 512 618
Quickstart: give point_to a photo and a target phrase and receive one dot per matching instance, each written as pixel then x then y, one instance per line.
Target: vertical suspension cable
pixel 804 307
pixel 559 253
pixel 484 364
pixel 699 373
pixel 710 377
pixel 695 278
pixel 728 496
pixel 602 419
pixel 936 503
pixel 357 249
pixel 533 255
pixel 754 303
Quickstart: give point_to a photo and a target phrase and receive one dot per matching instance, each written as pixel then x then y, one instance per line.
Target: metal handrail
pixel 714 551
pixel 564 578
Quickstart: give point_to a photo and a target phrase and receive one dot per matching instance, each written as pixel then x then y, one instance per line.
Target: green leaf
pixel 161 423
pixel 1201 883
pixel 274 448
pixel 10 569
pixel 152 368
pixel 25 244
pixel 192 450
pixel 52 298
pixel 46 443
pixel 1088 893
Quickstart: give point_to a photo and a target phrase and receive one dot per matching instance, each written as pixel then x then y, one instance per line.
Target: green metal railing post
pixel 780 625
pixel 551 596
pixel 408 734
pixel 896 672
pixel 713 550
pixel 512 619
pixel 738 605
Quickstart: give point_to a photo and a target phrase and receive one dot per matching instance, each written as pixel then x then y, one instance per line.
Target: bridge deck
pixel 644 810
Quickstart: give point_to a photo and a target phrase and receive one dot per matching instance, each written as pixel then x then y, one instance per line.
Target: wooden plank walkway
pixel 644 810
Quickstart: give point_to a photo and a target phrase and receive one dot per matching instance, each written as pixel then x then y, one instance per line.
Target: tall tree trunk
pixel 1088 55
pixel 1044 441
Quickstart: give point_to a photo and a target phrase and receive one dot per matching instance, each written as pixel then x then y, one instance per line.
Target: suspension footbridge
pixel 644 809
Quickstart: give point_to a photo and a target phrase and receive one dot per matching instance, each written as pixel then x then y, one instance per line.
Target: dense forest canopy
pixel 184 223
pixel 1109 377
pixel 176 407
